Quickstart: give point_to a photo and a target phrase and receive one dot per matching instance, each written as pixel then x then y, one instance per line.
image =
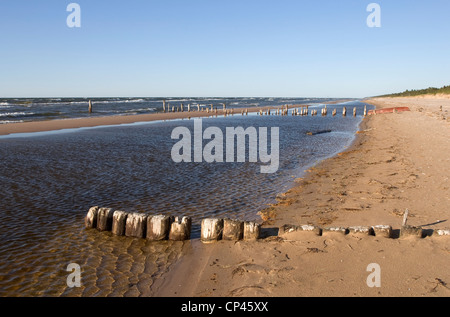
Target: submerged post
pixel 344 112
pixel 164 106
pixel 90 106
pixel 119 223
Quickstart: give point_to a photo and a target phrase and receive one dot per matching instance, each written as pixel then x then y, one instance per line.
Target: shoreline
pixel 89 122
pixel 371 183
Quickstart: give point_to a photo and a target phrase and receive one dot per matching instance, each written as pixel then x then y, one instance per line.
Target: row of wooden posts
pixel 282 111
pixel 161 227
pixel 383 231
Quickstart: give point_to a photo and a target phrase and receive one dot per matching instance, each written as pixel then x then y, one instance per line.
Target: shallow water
pixel 50 181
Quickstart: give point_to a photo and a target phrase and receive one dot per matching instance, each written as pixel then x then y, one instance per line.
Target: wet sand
pixel 398 161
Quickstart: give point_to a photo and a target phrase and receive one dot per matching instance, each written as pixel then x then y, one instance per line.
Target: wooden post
pixel 104 219
pixel 410 231
pixel 212 230
pixel 360 231
pixel 182 108
pixel 382 231
pixel 189 107
pixel 344 112
pixel 90 221
pixel 164 106
pixel 405 217
pixel 252 230
pixel 233 230
pixel 198 107
pixel 119 222
pixel 90 106
pixel 354 112
pixel 180 229
pixel 334 112
pixel 212 109
pixel 246 111
pixel 158 227
pixel 173 108
pixel 365 111
pixel 136 225
pixel 334 230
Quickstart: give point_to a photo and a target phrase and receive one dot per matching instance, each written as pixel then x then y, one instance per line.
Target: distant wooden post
pixel 182 108
pixel 164 106
pixel 354 112
pixel 365 111
pixel 136 225
pixel 90 221
pixel 344 112
pixel 198 107
pixel 334 112
pixel 252 231
pixel 119 223
pixel 158 227
pixel 211 230
pixel 180 229
pixel 90 106
pixel 105 219
pixel 246 111
pixel 189 107
pixel 233 230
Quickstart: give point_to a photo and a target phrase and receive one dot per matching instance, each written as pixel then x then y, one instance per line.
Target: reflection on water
pixel 49 183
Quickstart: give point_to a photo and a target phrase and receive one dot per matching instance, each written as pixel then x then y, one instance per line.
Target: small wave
pixel 4 103
pixel 10 121
pixel 16 114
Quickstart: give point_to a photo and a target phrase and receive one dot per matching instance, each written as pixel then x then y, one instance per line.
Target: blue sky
pixel 288 48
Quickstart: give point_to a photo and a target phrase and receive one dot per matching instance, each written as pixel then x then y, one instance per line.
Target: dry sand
pixel 398 161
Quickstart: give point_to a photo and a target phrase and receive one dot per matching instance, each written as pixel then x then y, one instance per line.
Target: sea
pixel 49 180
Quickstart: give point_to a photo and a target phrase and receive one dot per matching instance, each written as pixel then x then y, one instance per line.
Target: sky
pixel 218 48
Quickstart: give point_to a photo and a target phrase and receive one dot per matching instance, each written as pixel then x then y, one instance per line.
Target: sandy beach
pixel 398 162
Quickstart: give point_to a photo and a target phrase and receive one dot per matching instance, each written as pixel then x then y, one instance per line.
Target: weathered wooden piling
pixel 173 108
pixel 119 222
pixel 158 227
pixel 252 230
pixel 410 231
pixel 334 113
pixel 383 231
pixel 90 221
pixel 164 106
pixel 211 230
pixel 182 108
pixel 334 230
pixel 354 112
pixel 292 232
pixel 198 107
pixel 441 233
pixel 180 229
pixel 360 231
pixel 344 112
pixel 90 106
pixel 105 219
pixel 136 225
pixel 233 230
pixel 365 111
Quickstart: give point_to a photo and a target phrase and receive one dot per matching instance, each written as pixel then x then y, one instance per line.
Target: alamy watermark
pixel 74 278
pixel 213 151
pixel 374 278
pixel 74 18
pixel 374 18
